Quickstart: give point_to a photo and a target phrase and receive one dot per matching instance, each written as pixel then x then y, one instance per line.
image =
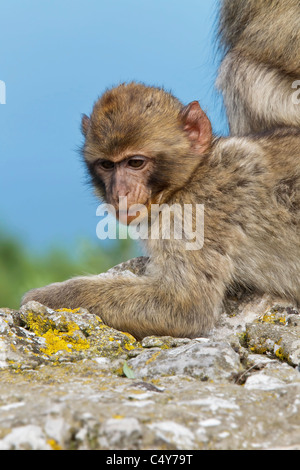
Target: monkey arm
pixel 178 301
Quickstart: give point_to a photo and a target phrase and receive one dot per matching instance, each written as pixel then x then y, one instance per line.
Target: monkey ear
pixel 197 126
pixel 85 122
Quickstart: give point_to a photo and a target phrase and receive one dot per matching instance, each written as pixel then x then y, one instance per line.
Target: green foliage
pixel 21 270
pixel 128 372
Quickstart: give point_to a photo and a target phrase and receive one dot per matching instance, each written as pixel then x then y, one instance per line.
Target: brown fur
pixel 261 39
pixel 126 119
pixel 250 186
pixel 250 189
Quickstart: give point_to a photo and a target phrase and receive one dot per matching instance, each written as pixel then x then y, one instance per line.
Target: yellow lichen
pixel 14 366
pixel 64 341
pixel 258 349
pixel 129 336
pixel 268 318
pixel 119 371
pixel 38 324
pixel 155 381
pixel 279 352
pixel 137 392
pixel 56 340
pixel 153 357
pixel 129 346
pixel 65 335
pixel 53 444
pixel 69 310
pixel 273 318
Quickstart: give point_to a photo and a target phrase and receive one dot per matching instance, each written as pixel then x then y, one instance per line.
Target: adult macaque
pixel 261 69
pixel 143 144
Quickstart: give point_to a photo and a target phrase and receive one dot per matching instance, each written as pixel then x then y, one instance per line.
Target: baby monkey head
pixel 143 144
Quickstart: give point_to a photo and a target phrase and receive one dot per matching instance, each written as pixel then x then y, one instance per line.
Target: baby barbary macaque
pixel 143 144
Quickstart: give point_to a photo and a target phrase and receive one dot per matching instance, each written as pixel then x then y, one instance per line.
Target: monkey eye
pixel 136 162
pixel 106 165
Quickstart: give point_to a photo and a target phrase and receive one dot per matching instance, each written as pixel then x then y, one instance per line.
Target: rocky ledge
pixel 70 382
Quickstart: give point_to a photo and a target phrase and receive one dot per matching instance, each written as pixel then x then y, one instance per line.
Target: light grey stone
pixel 63 384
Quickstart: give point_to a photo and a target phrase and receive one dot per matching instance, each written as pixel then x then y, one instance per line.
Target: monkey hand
pixel 52 296
pixel 137 305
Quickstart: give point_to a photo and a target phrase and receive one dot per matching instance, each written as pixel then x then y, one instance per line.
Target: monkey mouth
pixel 121 215
pixel 126 216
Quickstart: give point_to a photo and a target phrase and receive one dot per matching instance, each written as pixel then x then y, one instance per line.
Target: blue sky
pixel 56 58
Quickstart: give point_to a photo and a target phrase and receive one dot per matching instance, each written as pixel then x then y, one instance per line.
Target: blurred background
pixel 56 58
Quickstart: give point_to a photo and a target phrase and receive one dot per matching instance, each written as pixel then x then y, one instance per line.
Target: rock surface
pixel 70 382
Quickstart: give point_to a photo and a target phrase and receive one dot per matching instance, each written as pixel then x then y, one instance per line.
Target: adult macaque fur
pixel 260 73
pixel 142 143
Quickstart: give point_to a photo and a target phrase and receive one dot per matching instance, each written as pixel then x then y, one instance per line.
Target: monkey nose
pixel 120 195
pixel 122 190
